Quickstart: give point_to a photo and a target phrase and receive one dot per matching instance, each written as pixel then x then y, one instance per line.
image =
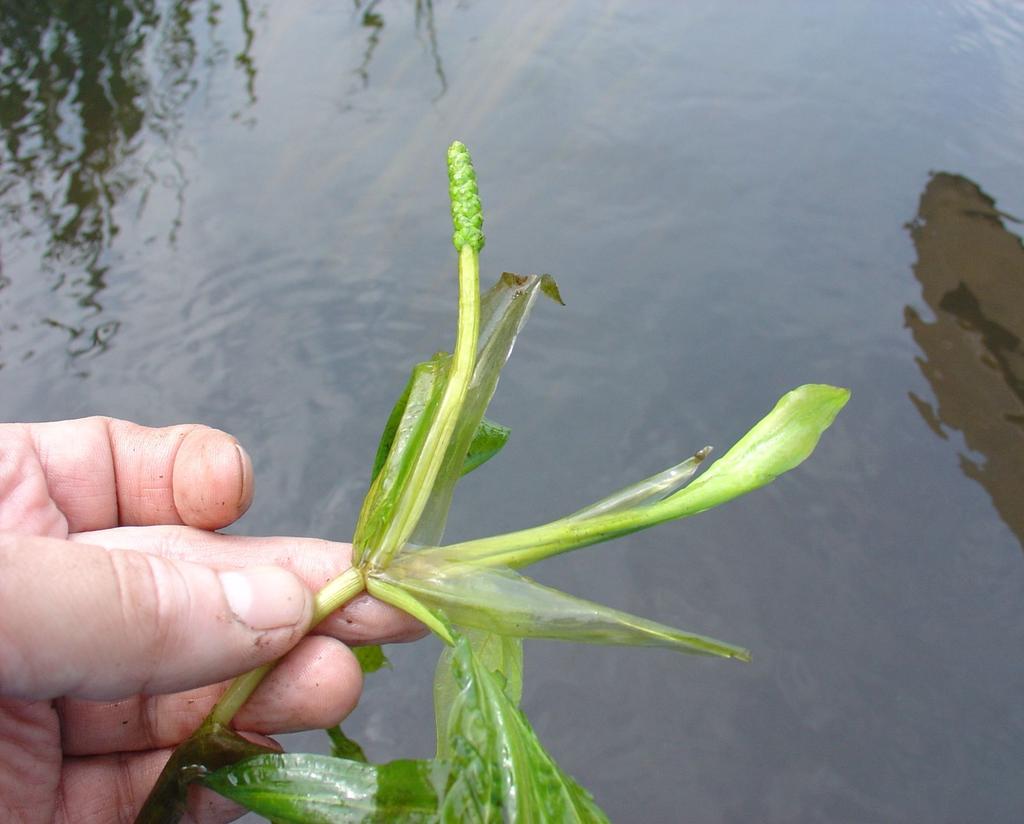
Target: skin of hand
pixel 122 614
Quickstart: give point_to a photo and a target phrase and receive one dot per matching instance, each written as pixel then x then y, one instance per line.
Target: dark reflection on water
pixel 93 110
pixel 971 270
pixel 90 109
pixel 371 18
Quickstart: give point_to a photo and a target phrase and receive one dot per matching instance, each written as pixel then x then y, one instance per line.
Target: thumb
pixel 104 624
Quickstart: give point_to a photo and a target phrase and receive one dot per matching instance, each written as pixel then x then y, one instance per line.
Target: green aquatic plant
pixel 490 765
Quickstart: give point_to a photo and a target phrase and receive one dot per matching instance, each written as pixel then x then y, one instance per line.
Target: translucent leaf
pixel 311 789
pixel 647 491
pixel 487 728
pixel 504 602
pixel 487 441
pixel 499 654
pixel 497 772
pixel 474 792
pixel 504 309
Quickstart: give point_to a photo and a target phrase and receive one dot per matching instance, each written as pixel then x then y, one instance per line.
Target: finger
pixel 317 685
pixel 102 472
pixel 83 621
pixel 107 788
pixel 363 620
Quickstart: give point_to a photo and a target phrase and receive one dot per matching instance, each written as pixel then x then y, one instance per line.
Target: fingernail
pixel 265 597
pixel 245 466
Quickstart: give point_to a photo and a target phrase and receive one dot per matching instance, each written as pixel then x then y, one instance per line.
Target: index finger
pixel 103 472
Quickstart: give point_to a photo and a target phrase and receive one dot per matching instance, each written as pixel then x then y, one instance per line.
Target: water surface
pixel 236 214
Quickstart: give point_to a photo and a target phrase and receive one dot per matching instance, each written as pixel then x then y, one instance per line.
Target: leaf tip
pixel 550 289
pixel 826 394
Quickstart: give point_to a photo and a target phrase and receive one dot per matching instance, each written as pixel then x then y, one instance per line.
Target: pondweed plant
pixel 489 766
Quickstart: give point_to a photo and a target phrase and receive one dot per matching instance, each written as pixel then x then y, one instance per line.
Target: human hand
pixel 119 606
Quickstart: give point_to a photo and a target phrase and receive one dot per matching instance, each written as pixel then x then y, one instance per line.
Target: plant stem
pixel 525 546
pixel 421 479
pixel 337 592
pixel 237 694
pixel 398 597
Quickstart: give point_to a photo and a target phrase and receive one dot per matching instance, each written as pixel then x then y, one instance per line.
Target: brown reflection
pixel 90 111
pixel 971 269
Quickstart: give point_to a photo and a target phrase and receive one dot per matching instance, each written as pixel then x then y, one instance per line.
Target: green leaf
pixel 488 441
pixel 507 603
pixel 371 658
pixel 310 789
pixel 474 791
pixel 500 654
pixel 387 437
pixel 779 442
pixel 489 730
pixel 400 446
pixel 344 747
pixel 210 747
pixel 498 772
pixel 550 288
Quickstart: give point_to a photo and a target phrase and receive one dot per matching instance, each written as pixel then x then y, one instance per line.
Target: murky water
pixel 237 214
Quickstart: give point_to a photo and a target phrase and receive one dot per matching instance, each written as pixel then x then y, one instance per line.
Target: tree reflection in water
pixel 90 108
pixel 971 270
pixel 371 19
pixel 93 114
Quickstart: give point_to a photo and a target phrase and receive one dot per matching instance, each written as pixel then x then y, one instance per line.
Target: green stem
pixel 421 479
pixel 237 694
pixel 525 546
pixel 339 591
pixel 398 597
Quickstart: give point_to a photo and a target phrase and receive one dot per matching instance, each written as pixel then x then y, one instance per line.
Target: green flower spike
pixel 467 212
